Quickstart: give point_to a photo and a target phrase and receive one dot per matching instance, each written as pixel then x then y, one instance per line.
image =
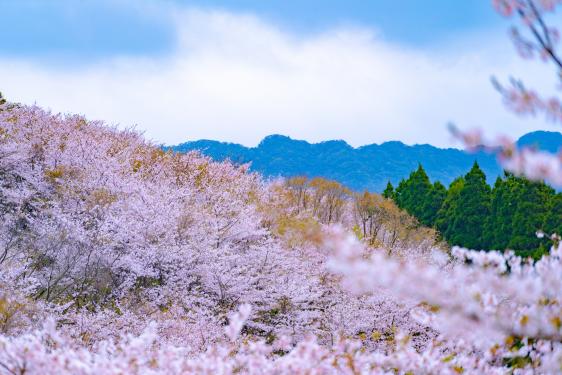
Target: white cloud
pixel 236 78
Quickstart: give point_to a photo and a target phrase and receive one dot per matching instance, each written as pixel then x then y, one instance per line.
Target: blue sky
pixel 363 71
pixel 100 28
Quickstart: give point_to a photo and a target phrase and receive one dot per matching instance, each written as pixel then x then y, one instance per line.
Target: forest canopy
pixel 119 257
pixel 472 214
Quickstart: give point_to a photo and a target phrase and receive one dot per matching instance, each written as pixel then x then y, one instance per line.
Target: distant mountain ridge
pixel 366 167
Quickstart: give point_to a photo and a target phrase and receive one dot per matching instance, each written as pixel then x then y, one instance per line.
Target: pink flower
pixel 504 7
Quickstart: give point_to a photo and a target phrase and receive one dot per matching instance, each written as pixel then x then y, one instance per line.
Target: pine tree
pixel 471 214
pixel 471 211
pixel 533 199
pixel 553 220
pixel 445 215
pixel 401 193
pixel 432 203
pixel 498 226
pixel 413 194
pixel 388 192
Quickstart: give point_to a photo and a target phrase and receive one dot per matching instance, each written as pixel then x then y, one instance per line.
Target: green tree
pixel 553 219
pixel 388 192
pixel 432 203
pixel 446 213
pixel 533 200
pixel 498 228
pixel 471 211
pixel 413 195
pixel 471 214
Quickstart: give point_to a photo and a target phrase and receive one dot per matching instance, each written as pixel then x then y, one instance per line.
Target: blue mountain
pixel 367 167
pixel 543 140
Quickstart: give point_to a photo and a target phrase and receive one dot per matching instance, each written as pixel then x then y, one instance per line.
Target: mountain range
pixel 367 167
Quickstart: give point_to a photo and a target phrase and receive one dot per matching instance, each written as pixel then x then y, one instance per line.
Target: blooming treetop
pixel 117 257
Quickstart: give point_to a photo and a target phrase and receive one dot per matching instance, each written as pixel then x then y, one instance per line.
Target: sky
pixel 365 71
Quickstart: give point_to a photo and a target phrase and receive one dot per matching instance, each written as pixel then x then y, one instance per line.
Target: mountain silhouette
pixel 366 167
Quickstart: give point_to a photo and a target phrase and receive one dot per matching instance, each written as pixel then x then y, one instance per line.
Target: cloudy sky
pixel 362 71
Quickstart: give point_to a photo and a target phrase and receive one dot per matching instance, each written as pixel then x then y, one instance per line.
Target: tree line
pixel 379 222
pixel 472 214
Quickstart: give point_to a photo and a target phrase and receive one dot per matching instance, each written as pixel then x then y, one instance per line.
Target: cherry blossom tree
pixel 118 257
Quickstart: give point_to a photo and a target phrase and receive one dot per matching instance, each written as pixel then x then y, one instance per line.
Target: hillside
pixel 119 257
pixel 543 140
pixel 366 167
pixel 104 234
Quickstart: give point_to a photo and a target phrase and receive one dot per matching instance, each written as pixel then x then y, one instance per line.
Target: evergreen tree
pixel 432 203
pixel 445 215
pixel 413 195
pixel 553 220
pixel 533 199
pixel 471 214
pixel 402 191
pixel 471 211
pixel 498 226
pixel 388 192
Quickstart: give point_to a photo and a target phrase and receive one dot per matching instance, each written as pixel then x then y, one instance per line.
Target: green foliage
pixel 388 192
pixel 471 214
pixel 471 211
pixel 502 207
pixel 520 208
pixel 415 194
pixel 532 200
pixel 419 197
pixel 433 202
pixel 553 219
pixel 449 207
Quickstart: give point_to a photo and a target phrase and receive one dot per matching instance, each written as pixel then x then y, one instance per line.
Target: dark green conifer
pixel 553 220
pixel 533 199
pixel 498 228
pixel 388 192
pixel 432 203
pixel 446 213
pixel 413 194
pixel 472 210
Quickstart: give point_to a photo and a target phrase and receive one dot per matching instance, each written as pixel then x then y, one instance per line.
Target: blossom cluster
pixel 105 233
pixel 539 40
pixel 117 257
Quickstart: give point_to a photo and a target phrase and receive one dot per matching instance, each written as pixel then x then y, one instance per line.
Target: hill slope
pixel 367 167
